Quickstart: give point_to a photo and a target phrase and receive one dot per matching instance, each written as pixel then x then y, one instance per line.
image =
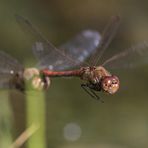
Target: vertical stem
pixel 36 115
pixel 5 120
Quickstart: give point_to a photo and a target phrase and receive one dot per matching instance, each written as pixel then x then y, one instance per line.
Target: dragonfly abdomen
pixel 72 73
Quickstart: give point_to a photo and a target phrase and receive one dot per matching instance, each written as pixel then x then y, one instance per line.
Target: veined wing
pixel 5 81
pixel 8 67
pixel 82 45
pixel 107 36
pixel 9 64
pixel 129 58
pixel 68 55
pixel 78 49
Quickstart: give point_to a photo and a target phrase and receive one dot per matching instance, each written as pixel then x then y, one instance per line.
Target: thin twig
pixel 25 136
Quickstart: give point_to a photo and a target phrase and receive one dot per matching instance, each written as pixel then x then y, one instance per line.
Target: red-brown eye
pixel 110 84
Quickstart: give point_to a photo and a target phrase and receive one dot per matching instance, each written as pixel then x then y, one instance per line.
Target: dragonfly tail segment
pixel 48 73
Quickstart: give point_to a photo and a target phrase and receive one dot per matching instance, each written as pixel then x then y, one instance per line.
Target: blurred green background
pixel 69 117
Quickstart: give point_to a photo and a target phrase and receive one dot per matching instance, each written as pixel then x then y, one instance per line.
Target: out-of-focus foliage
pixel 122 120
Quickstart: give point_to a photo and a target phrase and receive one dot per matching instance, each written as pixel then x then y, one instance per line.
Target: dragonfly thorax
pixel 98 78
pixel 94 74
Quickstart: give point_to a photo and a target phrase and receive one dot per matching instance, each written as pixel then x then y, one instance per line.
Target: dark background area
pixel 122 121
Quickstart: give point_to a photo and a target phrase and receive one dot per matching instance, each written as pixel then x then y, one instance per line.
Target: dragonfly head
pixel 110 84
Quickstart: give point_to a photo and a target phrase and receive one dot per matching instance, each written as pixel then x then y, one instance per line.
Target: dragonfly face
pixel 98 78
pixel 110 84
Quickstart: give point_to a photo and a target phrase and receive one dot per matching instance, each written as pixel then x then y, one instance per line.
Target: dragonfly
pixel 60 62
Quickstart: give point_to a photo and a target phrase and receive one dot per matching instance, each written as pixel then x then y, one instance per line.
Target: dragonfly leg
pixel 91 92
pixel 85 88
pixel 96 96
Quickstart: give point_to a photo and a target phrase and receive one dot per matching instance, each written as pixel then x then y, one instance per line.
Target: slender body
pixel 53 62
pixel 96 78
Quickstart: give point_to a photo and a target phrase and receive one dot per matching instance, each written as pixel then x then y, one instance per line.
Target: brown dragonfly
pixel 65 60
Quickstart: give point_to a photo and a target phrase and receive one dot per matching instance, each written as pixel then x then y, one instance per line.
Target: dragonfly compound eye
pixel 110 84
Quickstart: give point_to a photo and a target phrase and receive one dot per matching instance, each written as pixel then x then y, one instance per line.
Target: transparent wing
pixel 4 81
pixel 82 45
pixel 71 54
pixel 134 56
pixel 8 63
pixel 8 66
pixel 78 49
pixel 107 36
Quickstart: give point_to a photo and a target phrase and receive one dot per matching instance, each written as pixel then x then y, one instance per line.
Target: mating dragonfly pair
pixel 56 62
